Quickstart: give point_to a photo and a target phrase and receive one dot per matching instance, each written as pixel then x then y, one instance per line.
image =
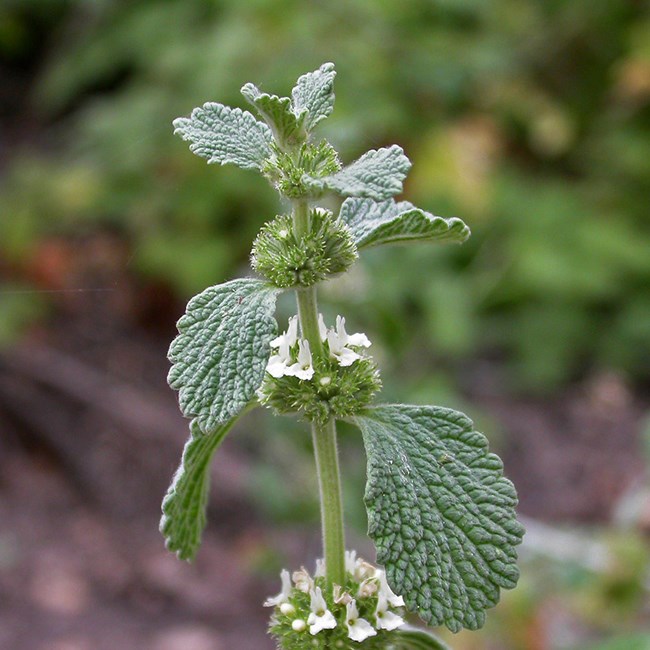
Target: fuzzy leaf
pixel 377 175
pixel 288 127
pixel 389 222
pixel 314 93
pixel 414 639
pixel 184 505
pixel 226 135
pixel 440 512
pixel 222 350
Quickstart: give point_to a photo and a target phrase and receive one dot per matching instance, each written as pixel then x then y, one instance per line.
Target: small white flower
pixel 340 595
pixel 291 335
pixel 358 340
pixel 386 620
pixel 320 568
pixel 302 368
pixel 303 580
pixel 322 330
pixel 339 340
pixel 384 588
pixel 320 618
pixel 350 561
pixel 283 596
pixel 358 628
pixel 343 355
pixel 368 588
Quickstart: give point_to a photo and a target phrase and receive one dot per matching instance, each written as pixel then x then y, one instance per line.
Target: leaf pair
pixel 229 135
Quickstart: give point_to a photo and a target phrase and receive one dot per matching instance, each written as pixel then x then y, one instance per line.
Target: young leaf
pixel 377 175
pixel 314 93
pixel 288 127
pixel 222 350
pixel 440 512
pixel 389 222
pixel 184 505
pixel 414 639
pixel 226 135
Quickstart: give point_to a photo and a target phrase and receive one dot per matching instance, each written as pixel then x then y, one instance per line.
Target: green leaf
pixel 389 222
pixel 226 135
pixel 414 639
pixel 377 175
pixel 288 127
pixel 184 505
pixel 222 350
pixel 440 512
pixel 314 93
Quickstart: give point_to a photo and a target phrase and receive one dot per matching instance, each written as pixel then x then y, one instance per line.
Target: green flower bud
pixel 290 172
pixel 291 261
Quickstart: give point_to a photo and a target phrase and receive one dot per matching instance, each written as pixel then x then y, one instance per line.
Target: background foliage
pixel 529 119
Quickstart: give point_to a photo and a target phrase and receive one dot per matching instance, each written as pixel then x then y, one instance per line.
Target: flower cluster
pixel 309 614
pixel 291 260
pixel 337 383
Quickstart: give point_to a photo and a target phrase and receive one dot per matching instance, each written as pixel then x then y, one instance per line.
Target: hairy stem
pixel 324 437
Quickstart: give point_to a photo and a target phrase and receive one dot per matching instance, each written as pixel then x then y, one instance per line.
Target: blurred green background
pixel 530 119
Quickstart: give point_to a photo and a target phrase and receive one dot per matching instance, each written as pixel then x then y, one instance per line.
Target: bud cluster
pixel 289 260
pixel 310 614
pixel 290 172
pixel 338 383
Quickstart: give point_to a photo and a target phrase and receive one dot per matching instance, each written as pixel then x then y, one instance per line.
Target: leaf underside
pixel 440 512
pixel 389 222
pixel 218 358
pixel 378 175
pixel 226 135
pixel 314 93
pixel 414 639
pixel 184 505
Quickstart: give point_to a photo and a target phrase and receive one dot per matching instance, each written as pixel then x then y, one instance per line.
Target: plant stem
pixel 324 437
pixel 331 506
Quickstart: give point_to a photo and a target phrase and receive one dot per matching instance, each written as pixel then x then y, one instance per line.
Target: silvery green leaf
pixel 414 639
pixel 226 135
pixel 314 93
pixel 440 512
pixel 389 222
pixel 288 127
pixel 222 349
pixel 184 505
pixel 377 175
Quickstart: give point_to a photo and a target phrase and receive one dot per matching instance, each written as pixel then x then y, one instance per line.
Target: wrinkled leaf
pixel 184 505
pixel 377 175
pixel 226 135
pixel 288 127
pixel 222 350
pixel 314 93
pixel 389 222
pixel 440 512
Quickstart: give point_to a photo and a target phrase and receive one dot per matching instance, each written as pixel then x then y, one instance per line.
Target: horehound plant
pixel 440 512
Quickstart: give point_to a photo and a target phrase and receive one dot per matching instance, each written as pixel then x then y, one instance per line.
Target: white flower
pixel 340 595
pixel 302 368
pixel 386 620
pixel 367 588
pixel 298 625
pixel 384 588
pixel 320 568
pixel 358 340
pixel 280 364
pixel 350 561
pixel 358 628
pixel 339 340
pixel 283 596
pixel 320 617
pixel 322 330
pixel 303 580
